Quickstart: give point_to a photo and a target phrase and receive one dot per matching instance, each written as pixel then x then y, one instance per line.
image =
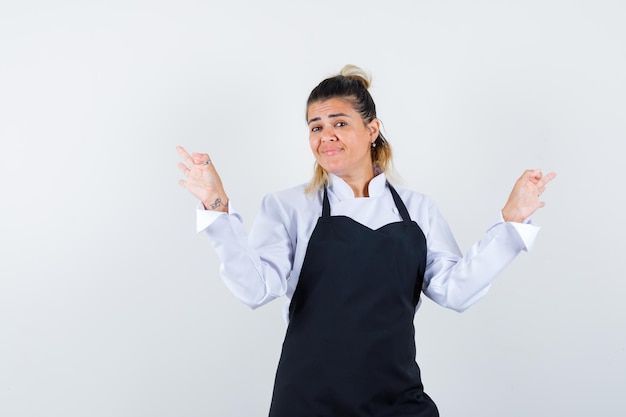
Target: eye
pixel 340 124
pixel 316 129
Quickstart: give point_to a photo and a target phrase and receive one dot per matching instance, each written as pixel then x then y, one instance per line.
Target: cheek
pixel 314 143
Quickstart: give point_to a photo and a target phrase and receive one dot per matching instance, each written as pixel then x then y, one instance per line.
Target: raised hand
pixel 202 180
pixel 524 199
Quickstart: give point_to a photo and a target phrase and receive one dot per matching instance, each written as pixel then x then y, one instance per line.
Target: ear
pixel 374 128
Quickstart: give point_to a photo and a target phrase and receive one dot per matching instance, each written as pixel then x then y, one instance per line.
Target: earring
pixel 373 144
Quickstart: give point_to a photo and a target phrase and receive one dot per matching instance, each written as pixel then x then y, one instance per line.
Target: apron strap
pixel 396 198
pixel 399 204
pixel 325 205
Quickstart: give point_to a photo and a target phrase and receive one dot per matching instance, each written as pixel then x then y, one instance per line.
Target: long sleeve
pixel 456 281
pixel 256 267
pixel 266 263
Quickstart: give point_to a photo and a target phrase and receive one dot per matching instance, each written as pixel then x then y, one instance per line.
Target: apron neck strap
pixel 396 198
pixel 399 204
pixel 325 204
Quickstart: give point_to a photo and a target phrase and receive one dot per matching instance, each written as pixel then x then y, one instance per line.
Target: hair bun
pixel 355 73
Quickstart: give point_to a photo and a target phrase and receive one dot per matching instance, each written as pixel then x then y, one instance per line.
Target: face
pixel 340 139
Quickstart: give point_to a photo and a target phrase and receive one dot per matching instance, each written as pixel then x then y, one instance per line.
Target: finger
pixel 530 175
pixel 546 179
pixel 184 168
pixel 186 157
pixel 549 177
pixel 200 158
pixel 535 174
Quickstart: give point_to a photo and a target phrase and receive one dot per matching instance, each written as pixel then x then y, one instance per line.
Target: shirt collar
pixel 343 191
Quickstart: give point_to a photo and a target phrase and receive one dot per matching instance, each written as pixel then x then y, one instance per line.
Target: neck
pixel 360 190
pixel 359 184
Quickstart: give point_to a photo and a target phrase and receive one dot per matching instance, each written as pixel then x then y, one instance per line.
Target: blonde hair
pixel 352 84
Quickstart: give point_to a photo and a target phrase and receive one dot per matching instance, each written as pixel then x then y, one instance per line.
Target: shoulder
pixel 421 207
pixel 293 200
pixel 414 199
pixel 294 195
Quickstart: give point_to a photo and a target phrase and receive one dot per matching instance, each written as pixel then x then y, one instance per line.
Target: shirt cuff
pixel 526 230
pixel 205 218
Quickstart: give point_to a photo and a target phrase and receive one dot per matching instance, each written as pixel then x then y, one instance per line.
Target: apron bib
pixel 349 349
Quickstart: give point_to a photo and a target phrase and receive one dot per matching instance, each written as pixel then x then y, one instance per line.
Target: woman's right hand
pixel 202 180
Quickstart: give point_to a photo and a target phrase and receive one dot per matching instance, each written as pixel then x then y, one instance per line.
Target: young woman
pixel 352 254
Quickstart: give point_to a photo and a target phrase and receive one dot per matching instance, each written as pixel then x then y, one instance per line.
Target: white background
pixel 111 305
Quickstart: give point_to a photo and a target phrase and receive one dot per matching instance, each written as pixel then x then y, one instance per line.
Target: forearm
pixel 244 271
pixel 255 266
pixel 458 282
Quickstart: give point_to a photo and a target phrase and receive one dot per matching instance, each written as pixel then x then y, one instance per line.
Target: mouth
pixel 330 151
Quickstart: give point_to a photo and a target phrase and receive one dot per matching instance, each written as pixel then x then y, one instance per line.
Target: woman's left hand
pixel 524 199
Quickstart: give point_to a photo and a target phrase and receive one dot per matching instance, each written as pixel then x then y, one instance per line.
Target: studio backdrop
pixel 112 305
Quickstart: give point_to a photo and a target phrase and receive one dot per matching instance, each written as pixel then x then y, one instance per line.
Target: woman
pixel 352 254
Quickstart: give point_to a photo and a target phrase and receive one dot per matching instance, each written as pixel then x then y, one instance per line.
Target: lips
pixel 330 151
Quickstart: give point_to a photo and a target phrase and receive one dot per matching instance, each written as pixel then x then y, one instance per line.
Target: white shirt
pixel 266 263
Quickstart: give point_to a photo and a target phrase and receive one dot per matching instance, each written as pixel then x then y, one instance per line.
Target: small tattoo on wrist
pixel 216 204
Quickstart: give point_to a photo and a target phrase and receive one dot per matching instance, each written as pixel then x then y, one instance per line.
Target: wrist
pixel 217 204
pixel 511 216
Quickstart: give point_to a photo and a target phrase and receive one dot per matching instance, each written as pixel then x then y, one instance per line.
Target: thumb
pixel 198 158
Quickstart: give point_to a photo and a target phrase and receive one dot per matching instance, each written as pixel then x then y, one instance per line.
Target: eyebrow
pixel 330 116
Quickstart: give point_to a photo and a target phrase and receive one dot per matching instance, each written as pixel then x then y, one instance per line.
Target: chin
pixel 333 170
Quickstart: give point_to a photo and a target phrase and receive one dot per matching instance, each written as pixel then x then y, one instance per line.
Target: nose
pixel 329 138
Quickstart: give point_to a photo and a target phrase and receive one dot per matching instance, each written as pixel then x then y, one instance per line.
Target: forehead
pixel 331 106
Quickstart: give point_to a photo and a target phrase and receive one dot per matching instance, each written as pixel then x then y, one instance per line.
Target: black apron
pixel 349 350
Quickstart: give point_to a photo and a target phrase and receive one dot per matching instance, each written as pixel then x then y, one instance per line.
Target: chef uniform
pixel 353 281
